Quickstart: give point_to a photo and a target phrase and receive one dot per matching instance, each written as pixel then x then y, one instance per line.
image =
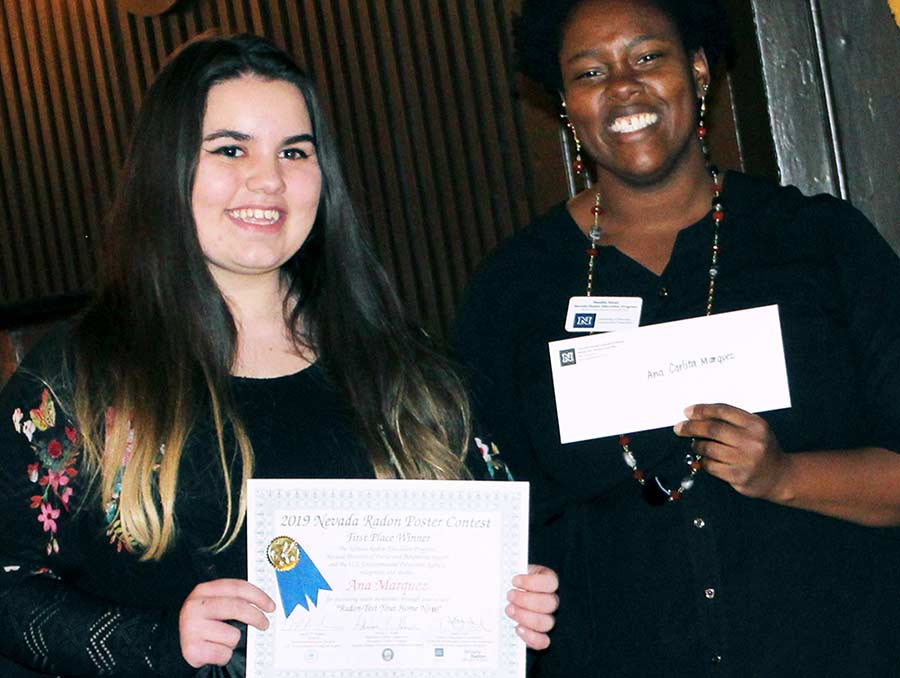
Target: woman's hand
pixel 206 637
pixel 737 447
pixel 532 604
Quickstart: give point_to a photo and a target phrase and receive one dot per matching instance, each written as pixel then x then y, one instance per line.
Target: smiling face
pixel 257 184
pixel 630 89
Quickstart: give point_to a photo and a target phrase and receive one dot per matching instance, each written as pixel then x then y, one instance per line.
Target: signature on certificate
pixel 460 624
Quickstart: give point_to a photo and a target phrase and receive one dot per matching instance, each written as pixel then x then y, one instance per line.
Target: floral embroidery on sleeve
pixel 56 451
pixel 491 455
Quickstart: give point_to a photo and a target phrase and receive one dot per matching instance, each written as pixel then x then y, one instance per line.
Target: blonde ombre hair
pixel 158 343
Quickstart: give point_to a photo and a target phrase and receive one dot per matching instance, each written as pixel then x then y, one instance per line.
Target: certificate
pixel 644 378
pixel 378 578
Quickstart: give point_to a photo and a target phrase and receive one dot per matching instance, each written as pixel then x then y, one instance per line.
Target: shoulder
pixel 535 242
pixel 40 444
pixel 529 256
pixel 47 364
pixel 791 218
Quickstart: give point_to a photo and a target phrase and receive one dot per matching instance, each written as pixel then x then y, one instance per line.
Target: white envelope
pixel 644 378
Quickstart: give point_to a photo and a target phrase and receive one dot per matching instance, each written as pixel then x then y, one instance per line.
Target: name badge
pixel 603 314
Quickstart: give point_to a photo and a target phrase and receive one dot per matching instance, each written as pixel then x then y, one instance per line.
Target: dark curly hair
pixel 538 33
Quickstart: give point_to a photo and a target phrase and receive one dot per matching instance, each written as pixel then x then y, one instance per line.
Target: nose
pixel 623 82
pixel 266 176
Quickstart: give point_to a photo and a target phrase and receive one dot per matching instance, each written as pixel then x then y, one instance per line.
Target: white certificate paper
pixel 641 379
pixel 400 578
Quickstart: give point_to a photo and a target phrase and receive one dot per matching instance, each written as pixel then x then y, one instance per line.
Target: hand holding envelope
pixel 737 447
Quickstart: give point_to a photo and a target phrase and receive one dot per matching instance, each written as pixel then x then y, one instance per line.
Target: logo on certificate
pixel 585 320
pixel 567 357
pixel 387 654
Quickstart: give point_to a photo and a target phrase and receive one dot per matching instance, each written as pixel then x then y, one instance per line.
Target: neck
pixel 676 201
pixel 265 345
pixel 252 299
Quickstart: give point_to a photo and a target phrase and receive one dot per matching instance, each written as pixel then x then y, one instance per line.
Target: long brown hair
pixel 157 346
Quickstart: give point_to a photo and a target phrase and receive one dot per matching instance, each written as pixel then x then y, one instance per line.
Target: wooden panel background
pixel 445 156
pixel 832 80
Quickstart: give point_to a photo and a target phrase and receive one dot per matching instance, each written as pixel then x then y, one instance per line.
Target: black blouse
pixel 717 583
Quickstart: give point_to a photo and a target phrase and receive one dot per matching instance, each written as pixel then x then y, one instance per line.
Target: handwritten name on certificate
pixel 378 578
pixel 644 378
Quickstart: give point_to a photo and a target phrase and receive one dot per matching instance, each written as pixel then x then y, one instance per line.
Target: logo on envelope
pixel 567 357
pixel 586 320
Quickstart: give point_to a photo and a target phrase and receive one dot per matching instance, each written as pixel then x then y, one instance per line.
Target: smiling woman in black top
pixel 768 545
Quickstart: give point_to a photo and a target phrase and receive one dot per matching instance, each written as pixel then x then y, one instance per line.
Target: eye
pixel 647 58
pixel 228 151
pixel 294 153
pixel 590 73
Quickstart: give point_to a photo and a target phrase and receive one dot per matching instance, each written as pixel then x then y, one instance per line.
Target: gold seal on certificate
pixel 283 553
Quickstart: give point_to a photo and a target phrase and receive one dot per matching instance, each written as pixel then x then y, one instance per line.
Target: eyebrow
pixel 241 136
pixel 636 40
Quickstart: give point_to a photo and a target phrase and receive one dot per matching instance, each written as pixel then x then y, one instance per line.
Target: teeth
pixel 633 123
pixel 256 216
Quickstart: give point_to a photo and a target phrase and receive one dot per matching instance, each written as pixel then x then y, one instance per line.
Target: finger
pixel 539 579
pixel 717 451
pixel 533 639
pixel 545 603
pixel 236 588
pixel 236 609
pixel 536 621
pixel 203 653
pixel 722 432
pixel 719 470
pixel 216 632
pixel 720 411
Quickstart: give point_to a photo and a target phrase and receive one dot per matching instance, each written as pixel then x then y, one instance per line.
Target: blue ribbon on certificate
pixel 298 577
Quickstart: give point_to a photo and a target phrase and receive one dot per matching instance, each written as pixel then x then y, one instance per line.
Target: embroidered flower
pixel 48 517
pixel 54 443
pixel 55 480
pixel 113 520
pixel 54 449
pixel 491 456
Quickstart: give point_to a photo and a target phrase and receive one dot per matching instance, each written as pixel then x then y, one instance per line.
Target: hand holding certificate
pixel 399 578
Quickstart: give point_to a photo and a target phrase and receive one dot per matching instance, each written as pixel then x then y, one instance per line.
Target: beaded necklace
pixel 653 488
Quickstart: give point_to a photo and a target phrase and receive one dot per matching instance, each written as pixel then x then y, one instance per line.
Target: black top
pixel 73 601
pixel 717 583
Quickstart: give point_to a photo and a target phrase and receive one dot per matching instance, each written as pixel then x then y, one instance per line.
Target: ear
pixel 700 71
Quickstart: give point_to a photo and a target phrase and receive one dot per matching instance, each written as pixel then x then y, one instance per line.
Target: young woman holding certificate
pixel 736 544
pixel 243 328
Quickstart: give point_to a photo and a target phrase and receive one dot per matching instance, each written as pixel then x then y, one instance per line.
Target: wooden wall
pixel 832 81
pixel 445 156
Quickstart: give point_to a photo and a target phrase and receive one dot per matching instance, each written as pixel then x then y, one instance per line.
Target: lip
pixel 265 218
